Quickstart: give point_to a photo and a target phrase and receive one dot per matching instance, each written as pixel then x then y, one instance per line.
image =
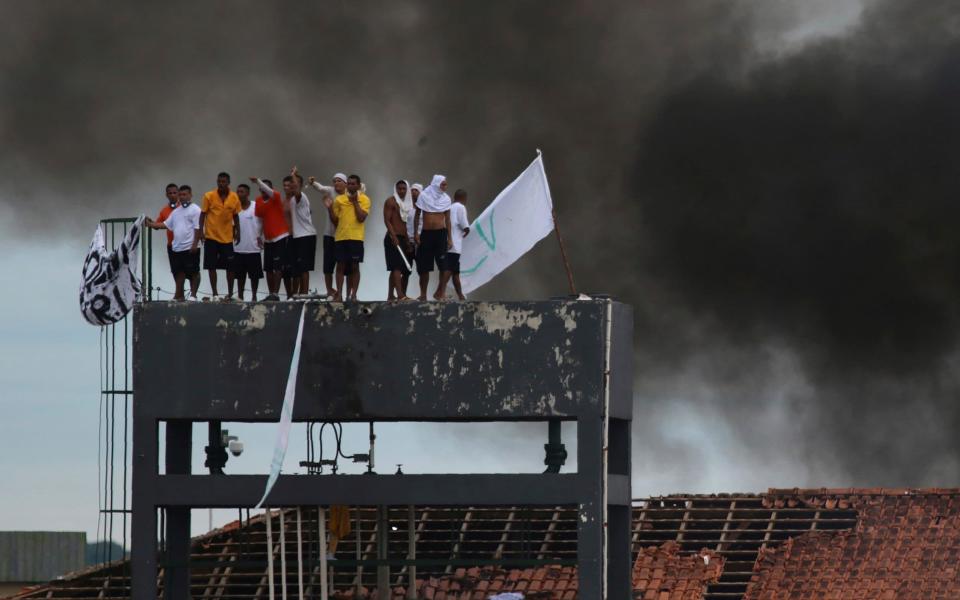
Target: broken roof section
pixel 822 543
pixel 906 544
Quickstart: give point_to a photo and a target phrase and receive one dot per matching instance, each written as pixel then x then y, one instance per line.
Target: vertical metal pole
pixel 269 514
pixel 359 583
pixel 411 552
pixel 556 229
pixel 179 441
pixel 322 518
pixel 299 556
pixel 143 550
pixel 373 442
pixel 283 559
pixel 383 571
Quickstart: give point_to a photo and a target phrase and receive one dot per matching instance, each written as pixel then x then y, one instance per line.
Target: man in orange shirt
pixel 275 214
pixel 220 228
pixel 173 201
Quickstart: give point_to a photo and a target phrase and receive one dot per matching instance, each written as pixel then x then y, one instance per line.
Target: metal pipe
pixel 383 540
pixel 299 556
pixel 373 441
pixel 359 583
pixel 322 518
pixel 269 515
pixel 411 552
pixel 283 560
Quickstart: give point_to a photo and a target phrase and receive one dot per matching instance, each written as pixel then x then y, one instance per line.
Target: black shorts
pixel 350 251
pixel 247 263
pixel 276 256
pixel 452 262
pixel 304 254
pixel 392 254
pixel 432 250
pixel 185 262
pixel 170 258
pixel 329 255
pixel 217 255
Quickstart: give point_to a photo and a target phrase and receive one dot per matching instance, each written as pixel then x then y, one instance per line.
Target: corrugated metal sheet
pixel 40 555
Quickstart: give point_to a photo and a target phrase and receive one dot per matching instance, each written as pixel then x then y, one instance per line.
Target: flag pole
pixel 563 248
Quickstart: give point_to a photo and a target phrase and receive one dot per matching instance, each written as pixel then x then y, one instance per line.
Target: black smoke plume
pixel 782 215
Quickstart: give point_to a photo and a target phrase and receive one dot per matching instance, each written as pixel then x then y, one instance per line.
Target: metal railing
pixel 113 438
pixel 114 230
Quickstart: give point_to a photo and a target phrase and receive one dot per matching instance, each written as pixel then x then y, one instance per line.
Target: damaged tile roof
pixel 906 544
pixel 660 570
pixel 659 573
pixel 793 543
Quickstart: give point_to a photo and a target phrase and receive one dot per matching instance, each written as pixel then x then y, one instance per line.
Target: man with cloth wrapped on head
pixel 397 246
pixel 431 227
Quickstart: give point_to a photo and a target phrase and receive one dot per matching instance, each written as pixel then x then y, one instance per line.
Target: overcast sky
pixel 60 185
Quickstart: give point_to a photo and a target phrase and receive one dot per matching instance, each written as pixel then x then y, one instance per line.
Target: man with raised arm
pixel 397 247
pixel 184 223
pixel 329 231
pixel 348 212
pixel 431 227
pixel 220 228
pixel 275 215
pixel 304 233
pixel 246 253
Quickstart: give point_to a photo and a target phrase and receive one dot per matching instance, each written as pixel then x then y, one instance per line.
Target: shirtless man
pixel 397 247
pixel 431 226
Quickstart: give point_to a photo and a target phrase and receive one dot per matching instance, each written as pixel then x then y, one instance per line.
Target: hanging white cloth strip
pixel 286 413
pixel 406 203
pixel 110 283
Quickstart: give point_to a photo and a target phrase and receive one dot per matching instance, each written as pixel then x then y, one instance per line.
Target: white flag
pixel 519 217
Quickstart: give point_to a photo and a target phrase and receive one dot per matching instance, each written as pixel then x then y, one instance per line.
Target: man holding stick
pixel 397 247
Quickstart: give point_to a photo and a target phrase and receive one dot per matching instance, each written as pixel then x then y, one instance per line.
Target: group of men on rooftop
pixel 424 227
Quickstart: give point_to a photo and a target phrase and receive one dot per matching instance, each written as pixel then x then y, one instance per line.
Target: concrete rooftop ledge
pixel 379 360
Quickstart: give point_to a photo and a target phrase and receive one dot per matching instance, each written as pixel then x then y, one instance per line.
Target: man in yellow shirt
pixel 349 212
pixel 220 228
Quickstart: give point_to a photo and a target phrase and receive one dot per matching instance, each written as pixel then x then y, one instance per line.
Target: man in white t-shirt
pixel 304 249
pixel 459 229
pixel 246 252
pixel 184 222
pixel 327 194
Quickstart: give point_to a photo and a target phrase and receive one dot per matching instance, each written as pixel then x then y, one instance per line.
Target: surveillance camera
pixel 236 447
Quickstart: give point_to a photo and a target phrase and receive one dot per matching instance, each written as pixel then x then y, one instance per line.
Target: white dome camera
pixel 236 447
